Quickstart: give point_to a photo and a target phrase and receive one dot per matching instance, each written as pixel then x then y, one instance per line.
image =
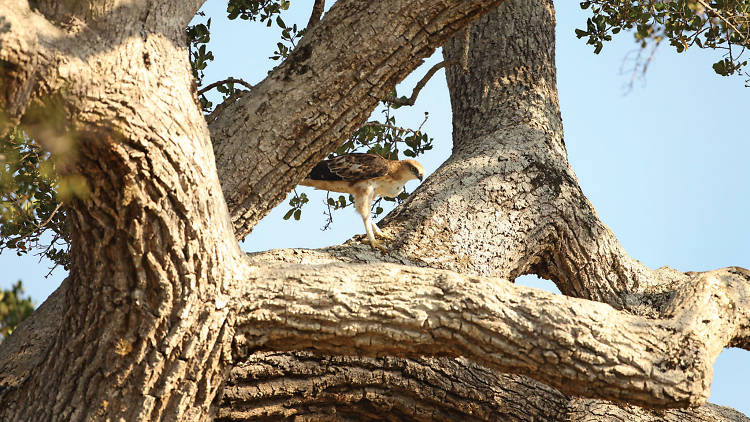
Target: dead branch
pixel 403 101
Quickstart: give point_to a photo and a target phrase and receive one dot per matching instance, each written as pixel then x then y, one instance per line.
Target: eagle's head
pixel 414 168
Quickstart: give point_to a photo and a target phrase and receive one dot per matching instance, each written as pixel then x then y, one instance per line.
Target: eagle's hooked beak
pixel 420 177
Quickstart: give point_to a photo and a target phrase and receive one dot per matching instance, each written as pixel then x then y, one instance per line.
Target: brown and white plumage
pixel 364 176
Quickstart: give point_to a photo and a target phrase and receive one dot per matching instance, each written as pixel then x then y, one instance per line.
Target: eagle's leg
pixel 375 227
pixel 370 236
pixel 363 203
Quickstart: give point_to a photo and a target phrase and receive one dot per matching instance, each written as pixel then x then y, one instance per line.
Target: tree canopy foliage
pixel 14 308
pixel 30 203
pixel 723 25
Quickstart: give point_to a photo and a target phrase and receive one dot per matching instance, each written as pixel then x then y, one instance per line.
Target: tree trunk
pixel 143 321
pixel 163 317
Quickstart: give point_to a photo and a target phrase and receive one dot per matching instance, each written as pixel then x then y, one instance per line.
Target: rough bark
pixel 151 243
pixel 269 386
pixel 160 303
pixel 580 347
pixel 274 385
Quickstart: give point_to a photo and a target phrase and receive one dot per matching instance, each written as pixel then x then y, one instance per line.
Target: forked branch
pixel 403 101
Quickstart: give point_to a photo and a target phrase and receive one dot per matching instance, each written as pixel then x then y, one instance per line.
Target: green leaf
pixel 720 67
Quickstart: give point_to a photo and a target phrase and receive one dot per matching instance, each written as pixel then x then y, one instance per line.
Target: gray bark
pixel 163 317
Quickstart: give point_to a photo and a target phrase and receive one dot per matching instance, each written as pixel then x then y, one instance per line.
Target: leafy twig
pixel 719 15
pixel 225 81
pixel 389 126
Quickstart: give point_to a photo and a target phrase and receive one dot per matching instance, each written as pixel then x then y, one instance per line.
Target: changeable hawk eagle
pixel 364 176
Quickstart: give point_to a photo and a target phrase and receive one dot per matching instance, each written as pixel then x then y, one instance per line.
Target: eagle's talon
pixel 378 245
pixel 384 236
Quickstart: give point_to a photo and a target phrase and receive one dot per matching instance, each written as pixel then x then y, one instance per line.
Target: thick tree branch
pixel 585 410
pixel 365 389
pixel 256 386
pixel 577 346
pixel 163 15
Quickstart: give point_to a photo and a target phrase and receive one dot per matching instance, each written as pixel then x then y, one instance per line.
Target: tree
pixel 163 316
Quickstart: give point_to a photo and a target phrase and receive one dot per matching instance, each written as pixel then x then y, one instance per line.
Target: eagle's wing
pixel 350 167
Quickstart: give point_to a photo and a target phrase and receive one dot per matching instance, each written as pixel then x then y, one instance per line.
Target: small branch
pixel 704 4
pixel 402 101
pixel 229 100
pixel 419 129
pixel 225 81
pixel 41 226
pixel 328 213
pixel 639 67
pixel 389 126
pixel 317 12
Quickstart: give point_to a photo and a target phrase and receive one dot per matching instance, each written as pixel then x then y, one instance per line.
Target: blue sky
pixel 666 166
